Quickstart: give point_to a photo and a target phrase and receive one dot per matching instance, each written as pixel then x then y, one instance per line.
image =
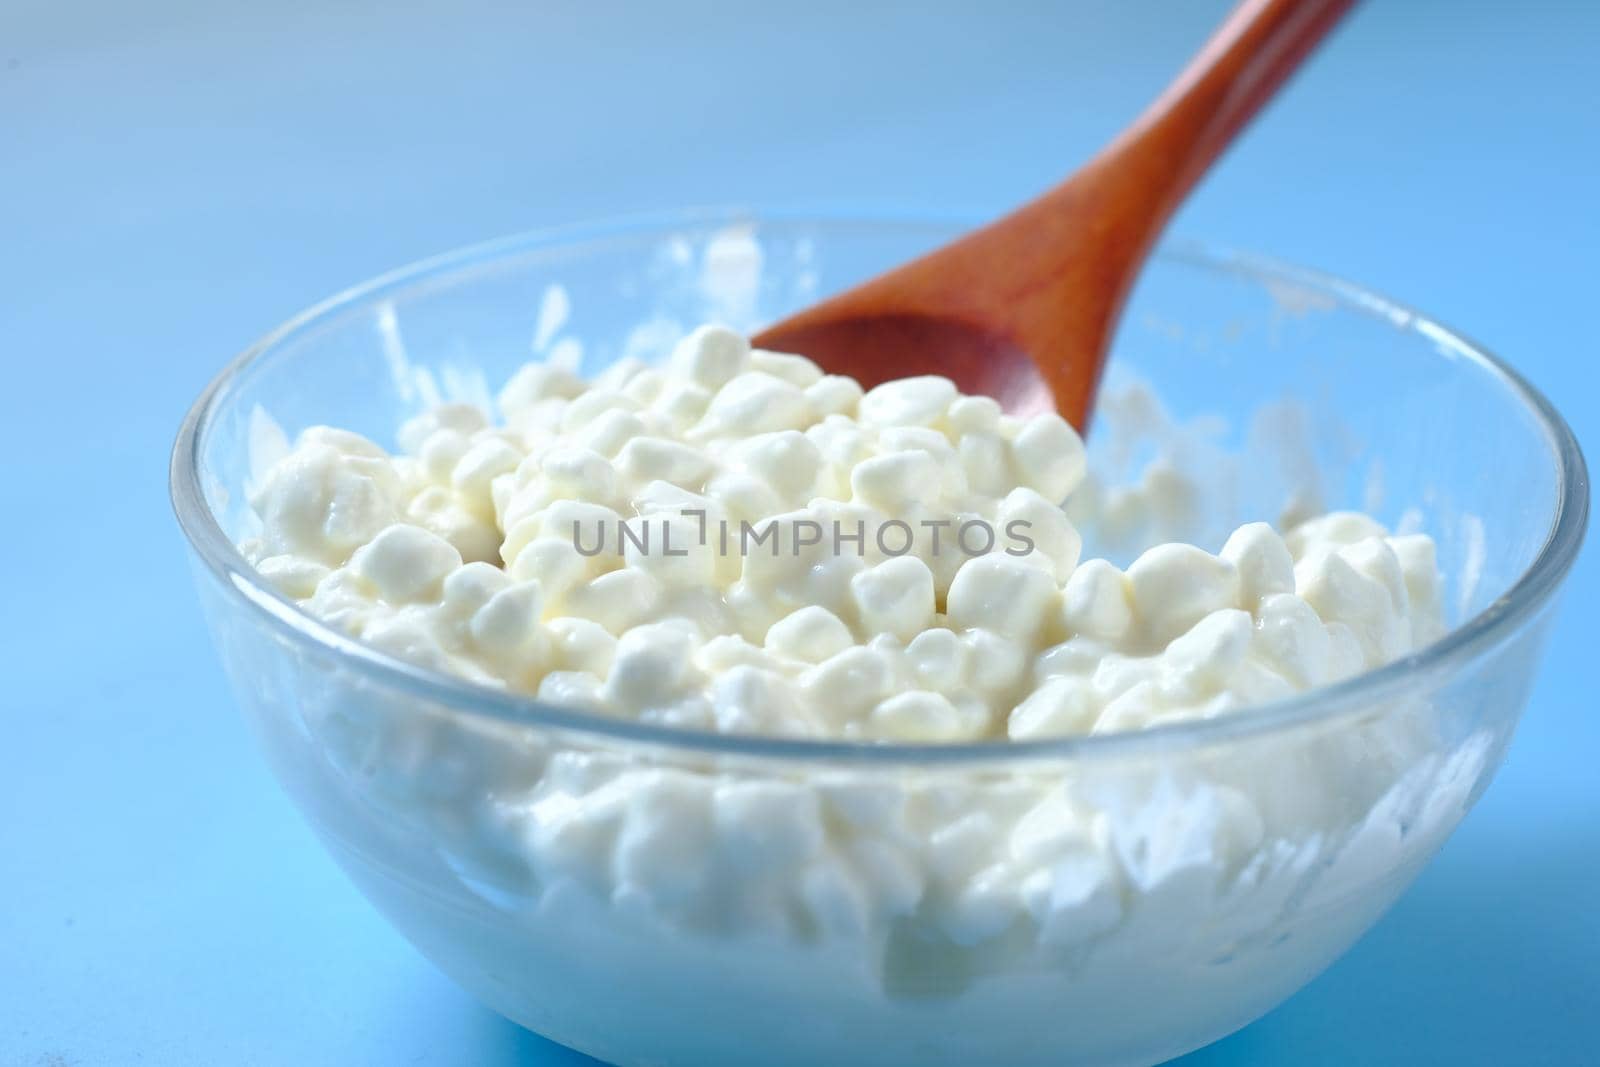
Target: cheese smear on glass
pixel 735 541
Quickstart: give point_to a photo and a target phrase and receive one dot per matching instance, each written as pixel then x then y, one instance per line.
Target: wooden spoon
pixel 1024 308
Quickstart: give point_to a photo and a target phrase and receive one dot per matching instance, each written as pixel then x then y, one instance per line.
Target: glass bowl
pixel 652 896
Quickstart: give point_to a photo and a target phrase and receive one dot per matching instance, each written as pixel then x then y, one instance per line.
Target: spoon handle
pixel 1238 70
pixel 1090 234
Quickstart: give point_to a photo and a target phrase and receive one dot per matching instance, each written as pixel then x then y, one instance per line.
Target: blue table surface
pixel 179 175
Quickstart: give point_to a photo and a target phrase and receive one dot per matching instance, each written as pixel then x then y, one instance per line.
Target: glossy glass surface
pixel 1386 411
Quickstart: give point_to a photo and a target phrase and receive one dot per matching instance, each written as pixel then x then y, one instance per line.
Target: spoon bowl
pixel 875 349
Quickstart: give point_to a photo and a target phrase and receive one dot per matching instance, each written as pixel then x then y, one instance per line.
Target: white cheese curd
pixel 733 541
pixel 761 548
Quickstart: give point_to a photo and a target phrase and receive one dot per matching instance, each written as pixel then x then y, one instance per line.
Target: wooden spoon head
pixel 1024 308
pixel 876 348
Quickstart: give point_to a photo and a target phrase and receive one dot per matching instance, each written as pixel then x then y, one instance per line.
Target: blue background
pixel 177 176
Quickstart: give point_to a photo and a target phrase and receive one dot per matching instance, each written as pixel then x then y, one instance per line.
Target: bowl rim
pixel 1526 595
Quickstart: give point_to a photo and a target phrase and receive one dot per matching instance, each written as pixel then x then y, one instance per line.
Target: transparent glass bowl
pixel 662 930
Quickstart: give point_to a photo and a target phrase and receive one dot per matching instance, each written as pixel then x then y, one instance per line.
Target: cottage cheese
pixel 738 542
pixel 1143 899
